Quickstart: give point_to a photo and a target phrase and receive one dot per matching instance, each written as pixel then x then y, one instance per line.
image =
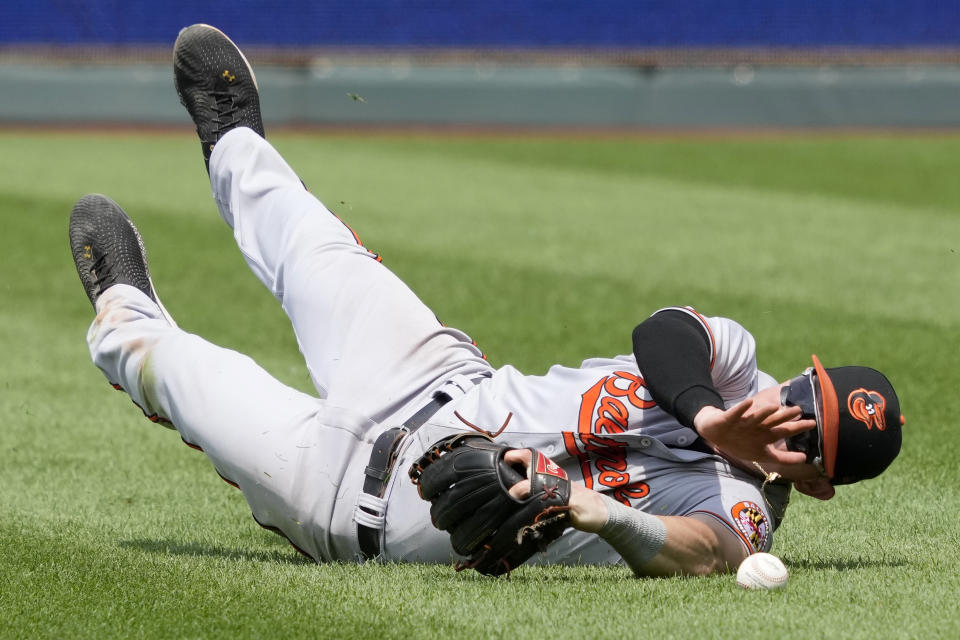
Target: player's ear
pixel 819 488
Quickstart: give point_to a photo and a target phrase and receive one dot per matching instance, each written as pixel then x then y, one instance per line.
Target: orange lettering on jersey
pixel 570 443
pixel 611 417
pixel 610 457
pixel 634 384
pixel 613 463
pixel 633 491
pixel 603 410
pixel 588 401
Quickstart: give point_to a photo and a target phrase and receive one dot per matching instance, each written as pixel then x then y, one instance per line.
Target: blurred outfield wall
pixel 694 63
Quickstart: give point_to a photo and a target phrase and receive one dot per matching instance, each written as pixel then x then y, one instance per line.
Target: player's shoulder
pixel 722 333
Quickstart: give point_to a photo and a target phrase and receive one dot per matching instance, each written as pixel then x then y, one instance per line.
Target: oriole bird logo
pixel 867 407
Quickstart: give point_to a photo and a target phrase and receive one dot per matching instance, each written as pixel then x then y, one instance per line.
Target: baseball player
pixel 677 458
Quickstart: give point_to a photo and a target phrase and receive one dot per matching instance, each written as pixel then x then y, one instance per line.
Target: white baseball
pixel 762 571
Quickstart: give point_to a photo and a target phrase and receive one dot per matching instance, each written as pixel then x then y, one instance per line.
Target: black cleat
pixel 107 248
pixel 216 84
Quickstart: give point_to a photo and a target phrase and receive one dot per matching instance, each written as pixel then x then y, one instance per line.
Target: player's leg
pixel 258 433
pixel 367 339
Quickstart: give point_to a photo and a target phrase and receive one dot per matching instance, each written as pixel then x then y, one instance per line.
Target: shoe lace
pixel 104 274
pixel 228 115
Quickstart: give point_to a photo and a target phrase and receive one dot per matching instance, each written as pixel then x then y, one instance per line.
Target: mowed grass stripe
pixel 913 171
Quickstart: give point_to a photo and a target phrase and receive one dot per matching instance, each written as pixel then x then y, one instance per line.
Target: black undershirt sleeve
pixel 673 352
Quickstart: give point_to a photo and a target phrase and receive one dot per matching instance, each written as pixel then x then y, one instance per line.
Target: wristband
pixel 635 535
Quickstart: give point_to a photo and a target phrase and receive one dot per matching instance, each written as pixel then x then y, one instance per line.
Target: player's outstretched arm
pixel 650 545
pixel 656 545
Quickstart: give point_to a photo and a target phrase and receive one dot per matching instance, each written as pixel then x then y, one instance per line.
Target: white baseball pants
pixel 374 351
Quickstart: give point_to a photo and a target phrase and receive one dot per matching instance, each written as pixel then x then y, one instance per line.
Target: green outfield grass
pixel 544 250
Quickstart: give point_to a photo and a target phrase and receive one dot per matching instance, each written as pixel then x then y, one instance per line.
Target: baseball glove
pixel 467 482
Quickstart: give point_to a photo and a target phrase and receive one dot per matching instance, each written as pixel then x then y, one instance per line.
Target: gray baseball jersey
pixel 600 424
pixel 377 354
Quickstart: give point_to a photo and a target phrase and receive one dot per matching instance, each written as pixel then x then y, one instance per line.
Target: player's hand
pixel 749 430
pixel 587 510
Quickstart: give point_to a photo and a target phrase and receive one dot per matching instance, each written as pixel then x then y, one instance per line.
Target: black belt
pixel 382 459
